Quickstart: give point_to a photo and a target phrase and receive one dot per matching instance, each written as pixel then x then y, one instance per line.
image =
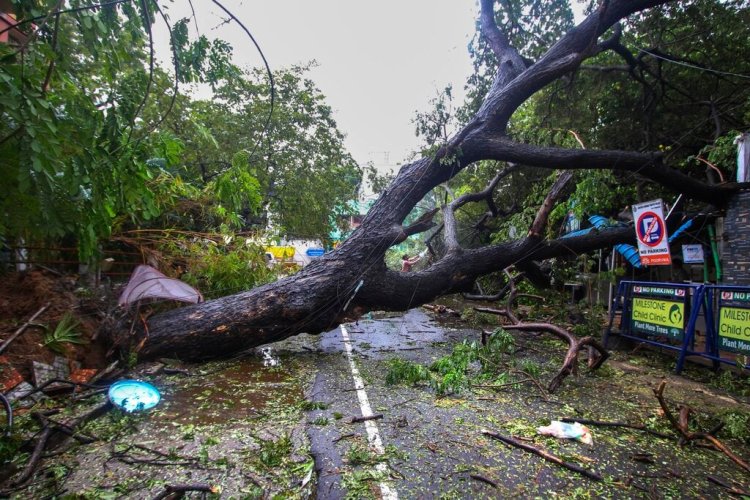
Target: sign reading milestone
pixel 658 311
pixel 651 232
pixel 734 321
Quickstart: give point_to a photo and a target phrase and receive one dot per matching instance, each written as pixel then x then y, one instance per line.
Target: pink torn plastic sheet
pixel 148 283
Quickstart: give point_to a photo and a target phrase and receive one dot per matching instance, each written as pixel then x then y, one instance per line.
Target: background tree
pixel 73 143
pixel 96 138
pixel 305 175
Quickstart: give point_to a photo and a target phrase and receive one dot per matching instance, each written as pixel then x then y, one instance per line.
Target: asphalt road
pixel 430 448
pixel 250 428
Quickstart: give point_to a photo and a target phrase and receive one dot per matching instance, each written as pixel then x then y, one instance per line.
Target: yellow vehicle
pixel 280 256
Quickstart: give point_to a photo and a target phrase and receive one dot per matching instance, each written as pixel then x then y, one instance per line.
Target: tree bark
pixel 353 278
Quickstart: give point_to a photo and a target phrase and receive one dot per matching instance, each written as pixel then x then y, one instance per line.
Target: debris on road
pixel 564 430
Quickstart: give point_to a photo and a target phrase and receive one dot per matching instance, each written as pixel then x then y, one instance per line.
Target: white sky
pixel 379 61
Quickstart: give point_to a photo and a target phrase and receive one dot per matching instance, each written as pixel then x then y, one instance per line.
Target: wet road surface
pixel 252 429
pixel 434 448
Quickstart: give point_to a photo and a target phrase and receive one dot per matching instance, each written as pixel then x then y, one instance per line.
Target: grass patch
pixel 450 374
pixel 359 454
pixel 313 405
pixel 737 425
pixel 359 484
pixel 272 453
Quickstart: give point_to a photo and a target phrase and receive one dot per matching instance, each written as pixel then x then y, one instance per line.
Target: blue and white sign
pixel 692 254
pixel 651 232
pixel 315 252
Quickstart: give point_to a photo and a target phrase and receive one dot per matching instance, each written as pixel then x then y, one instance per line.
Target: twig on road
pixel 544 454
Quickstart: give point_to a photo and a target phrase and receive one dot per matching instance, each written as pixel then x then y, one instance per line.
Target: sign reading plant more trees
pixel 658 311
pixel 734 321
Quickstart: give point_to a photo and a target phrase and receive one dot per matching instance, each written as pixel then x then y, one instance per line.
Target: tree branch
pixel 497 296
pixel 682 425
pixel 507 94
pixel 648 165
pixel 540 221
pixel 423 223
pixel 449 210
pixel 496 39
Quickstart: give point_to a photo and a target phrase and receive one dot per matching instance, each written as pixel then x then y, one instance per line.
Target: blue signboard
pixel 315 252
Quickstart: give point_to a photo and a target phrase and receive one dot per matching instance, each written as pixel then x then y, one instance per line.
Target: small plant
pixel 392 451
pixel 452 382
pixel 531 368
pixel 132 360
pixel 313 405
pixel 321 421
pixel 357 483
pixel 592 324
pixel 731 382
pixel 272 453
pixel 65 332
pixel 188 432
pixel 737 425
pixel 338 415
pixel 501 341
pixel 9 449
pixel 405 372
pixel 458 361
pixel 359 454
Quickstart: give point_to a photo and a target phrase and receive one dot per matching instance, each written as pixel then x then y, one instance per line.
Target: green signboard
pixel 734 321
pixel 651 312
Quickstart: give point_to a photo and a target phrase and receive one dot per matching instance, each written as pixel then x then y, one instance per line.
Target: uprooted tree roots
pixel 597 354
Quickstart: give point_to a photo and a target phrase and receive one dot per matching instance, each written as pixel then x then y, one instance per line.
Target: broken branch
pixel 377 416
pixel 483 479
pixel 23 328
pixel 179 489
pixel 682 426
pixel 545 455
pixel 449 210
pixel 555 192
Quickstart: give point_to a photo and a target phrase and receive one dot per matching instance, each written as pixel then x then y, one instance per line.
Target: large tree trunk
pixel 353 278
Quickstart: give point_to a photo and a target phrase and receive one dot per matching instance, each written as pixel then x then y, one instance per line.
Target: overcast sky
pixel 379 62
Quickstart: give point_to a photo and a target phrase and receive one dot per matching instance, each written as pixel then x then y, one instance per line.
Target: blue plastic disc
pixel 133 395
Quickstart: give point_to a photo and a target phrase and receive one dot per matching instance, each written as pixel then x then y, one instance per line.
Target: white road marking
pixel 373 434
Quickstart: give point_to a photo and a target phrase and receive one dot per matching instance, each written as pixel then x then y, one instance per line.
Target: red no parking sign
pixel 651 231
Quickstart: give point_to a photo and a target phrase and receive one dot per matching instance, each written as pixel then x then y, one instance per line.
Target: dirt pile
pixel 23 294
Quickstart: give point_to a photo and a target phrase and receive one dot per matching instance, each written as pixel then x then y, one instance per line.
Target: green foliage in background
pixel 673 106
pixel 100 142
pixel 296 173
pixel 218 266
pixel 75 149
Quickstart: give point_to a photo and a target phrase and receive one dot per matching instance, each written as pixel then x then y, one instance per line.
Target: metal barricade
pixel 666 315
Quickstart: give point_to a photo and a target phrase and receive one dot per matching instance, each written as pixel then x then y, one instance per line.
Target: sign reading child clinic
pixel 651 232
pixel 734 321
pixel 658 311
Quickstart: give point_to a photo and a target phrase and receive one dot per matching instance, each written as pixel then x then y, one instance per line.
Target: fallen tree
pixel 353 278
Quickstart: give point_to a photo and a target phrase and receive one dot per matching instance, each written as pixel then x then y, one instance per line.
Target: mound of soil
pixel 23 294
